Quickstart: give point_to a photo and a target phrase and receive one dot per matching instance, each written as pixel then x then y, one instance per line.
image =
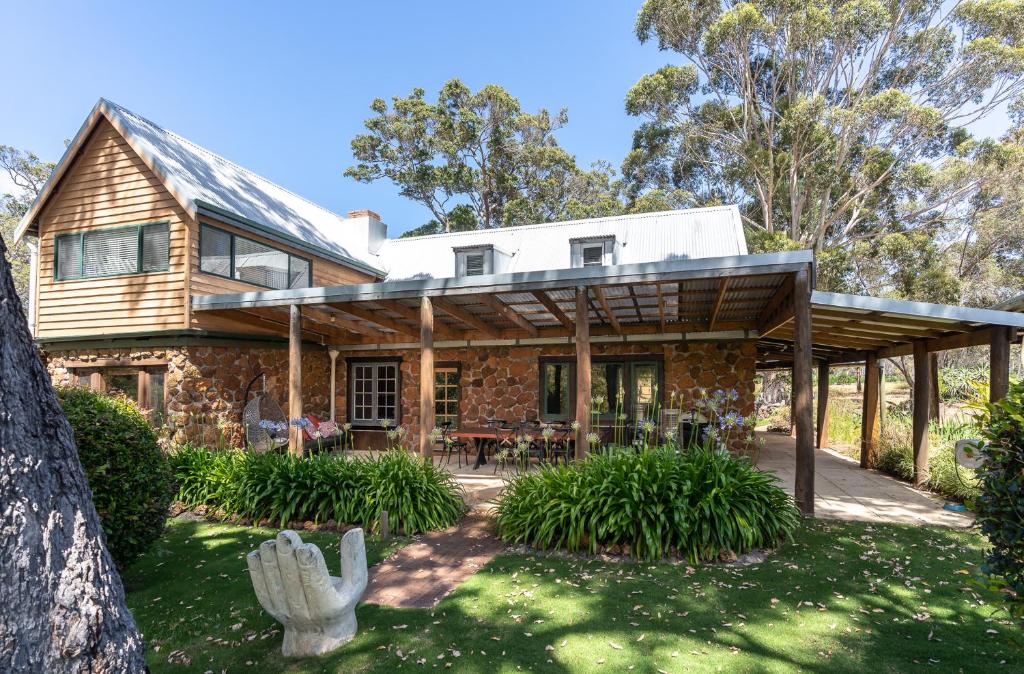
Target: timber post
pixel 294 378
pixel 823 408
pixel 921 411
pixel 426 377
pixel 582 372
pixel 999 366
pixel 802 392
pixel 869 427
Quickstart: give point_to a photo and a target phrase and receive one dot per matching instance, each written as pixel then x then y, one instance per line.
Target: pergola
pixel 752 297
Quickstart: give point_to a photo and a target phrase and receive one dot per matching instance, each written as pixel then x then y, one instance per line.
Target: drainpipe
pixel 33 253
pixel 333 353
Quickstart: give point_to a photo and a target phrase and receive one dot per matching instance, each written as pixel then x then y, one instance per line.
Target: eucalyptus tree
pixel 63 602
pixel 482 151
pixel 824 120
pixel 28 173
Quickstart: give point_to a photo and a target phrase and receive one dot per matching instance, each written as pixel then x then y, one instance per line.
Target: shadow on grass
pixel 841 597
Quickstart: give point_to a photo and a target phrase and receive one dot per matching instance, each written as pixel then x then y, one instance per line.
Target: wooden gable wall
pixel 109 185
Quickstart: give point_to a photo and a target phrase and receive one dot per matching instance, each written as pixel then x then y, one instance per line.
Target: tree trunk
pixel 63 603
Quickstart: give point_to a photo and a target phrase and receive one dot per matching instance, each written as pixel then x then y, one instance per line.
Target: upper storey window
pixel 474 261
pixel 592 251
pixel 225 254
pixel 112 252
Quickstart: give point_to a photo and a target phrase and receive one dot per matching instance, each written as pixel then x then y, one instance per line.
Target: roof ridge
pixel 560 223
pixel 218 157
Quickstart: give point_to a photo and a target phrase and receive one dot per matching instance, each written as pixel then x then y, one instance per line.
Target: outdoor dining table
pixel 478 436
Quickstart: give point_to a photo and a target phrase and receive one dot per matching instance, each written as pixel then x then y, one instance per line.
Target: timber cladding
pixel 109 186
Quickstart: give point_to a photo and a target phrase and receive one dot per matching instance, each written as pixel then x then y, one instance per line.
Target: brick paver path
pixel 422 573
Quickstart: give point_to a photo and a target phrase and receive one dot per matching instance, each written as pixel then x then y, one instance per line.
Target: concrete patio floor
pixel 842 489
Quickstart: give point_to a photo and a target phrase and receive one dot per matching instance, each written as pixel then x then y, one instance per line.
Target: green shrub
pixel 417 495
pixel 131 481
pixel 652 503
pixel 959 384
pixel 1001 503
pixel 896 456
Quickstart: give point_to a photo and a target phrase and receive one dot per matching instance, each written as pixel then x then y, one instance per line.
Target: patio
pixel 843 490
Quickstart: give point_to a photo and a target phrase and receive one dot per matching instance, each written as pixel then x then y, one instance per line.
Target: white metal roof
pixel 647 237
pixel 206 183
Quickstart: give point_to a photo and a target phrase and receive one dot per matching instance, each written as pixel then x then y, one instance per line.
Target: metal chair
pixel 450 444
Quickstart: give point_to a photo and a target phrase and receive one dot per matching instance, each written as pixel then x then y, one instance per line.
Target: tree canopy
pixel 29 174
pixel 477 160
pixel 827 122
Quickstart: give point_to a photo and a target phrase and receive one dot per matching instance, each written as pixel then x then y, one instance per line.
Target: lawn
pixel 842 597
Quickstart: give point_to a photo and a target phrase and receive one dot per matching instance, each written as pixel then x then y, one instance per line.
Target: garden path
pixel 425 571
pixel 845 491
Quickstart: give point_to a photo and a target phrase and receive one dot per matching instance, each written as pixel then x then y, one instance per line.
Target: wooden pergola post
pixel 582 371
pixel 922 402
pixel 934 404
pixel 792 401
pixel 802 392
pixel 869 426
pixel 294 378
pixel 999 366
pixel 823 410
pixel 426 376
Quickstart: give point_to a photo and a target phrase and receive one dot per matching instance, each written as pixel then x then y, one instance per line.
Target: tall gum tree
pixel 818 118
pixel 63 606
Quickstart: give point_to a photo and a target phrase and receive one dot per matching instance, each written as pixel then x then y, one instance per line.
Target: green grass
pixel 841 597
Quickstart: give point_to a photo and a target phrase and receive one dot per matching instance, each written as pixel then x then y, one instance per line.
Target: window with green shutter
pixel 114 251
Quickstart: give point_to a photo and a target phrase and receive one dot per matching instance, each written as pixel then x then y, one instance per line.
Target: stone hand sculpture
pixel 293 585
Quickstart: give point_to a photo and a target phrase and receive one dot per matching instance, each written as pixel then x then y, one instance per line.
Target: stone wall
pixel 504 382
pixel 205 385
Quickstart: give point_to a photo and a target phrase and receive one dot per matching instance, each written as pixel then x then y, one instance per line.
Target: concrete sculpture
pixel 293 585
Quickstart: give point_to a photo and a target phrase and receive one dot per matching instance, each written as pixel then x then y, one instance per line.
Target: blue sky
pixel 281 88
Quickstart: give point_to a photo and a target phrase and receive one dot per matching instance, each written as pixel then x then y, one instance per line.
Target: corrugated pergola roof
pixel 844 327
pixel 741 297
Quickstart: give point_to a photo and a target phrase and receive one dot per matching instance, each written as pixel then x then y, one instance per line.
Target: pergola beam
pixel 376 318
pixel 466 316
pixel 511 316
pixel 723 287
pixel 661 306
pixel 603 301
pixel 553 309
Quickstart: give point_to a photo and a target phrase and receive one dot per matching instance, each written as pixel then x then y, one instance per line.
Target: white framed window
pixel 592 251
pixel 474 261
pixel 374 392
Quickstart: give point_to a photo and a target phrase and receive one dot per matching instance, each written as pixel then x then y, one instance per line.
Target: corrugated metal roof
pixel 202 176
pixel 646 237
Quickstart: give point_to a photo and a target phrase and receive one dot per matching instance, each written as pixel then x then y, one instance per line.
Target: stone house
pixel 167 272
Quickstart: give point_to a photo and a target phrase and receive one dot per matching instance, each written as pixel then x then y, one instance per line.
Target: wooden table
pixel 478 436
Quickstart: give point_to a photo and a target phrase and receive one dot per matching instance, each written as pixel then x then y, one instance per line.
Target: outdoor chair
pixel 262 408
pixel 505 443
pixel 560 444
pixel 450 444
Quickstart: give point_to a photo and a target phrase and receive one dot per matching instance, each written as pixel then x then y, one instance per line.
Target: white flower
pixel 401 430
pixel 436 434
pixel 670 435
pixel 347 427
pixel 384 423
pixel 547 432
pixel 593 438
pixel 575 425
pixel 647 426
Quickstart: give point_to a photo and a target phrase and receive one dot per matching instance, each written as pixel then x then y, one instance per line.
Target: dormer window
pixel 474 261
pixel 595 251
